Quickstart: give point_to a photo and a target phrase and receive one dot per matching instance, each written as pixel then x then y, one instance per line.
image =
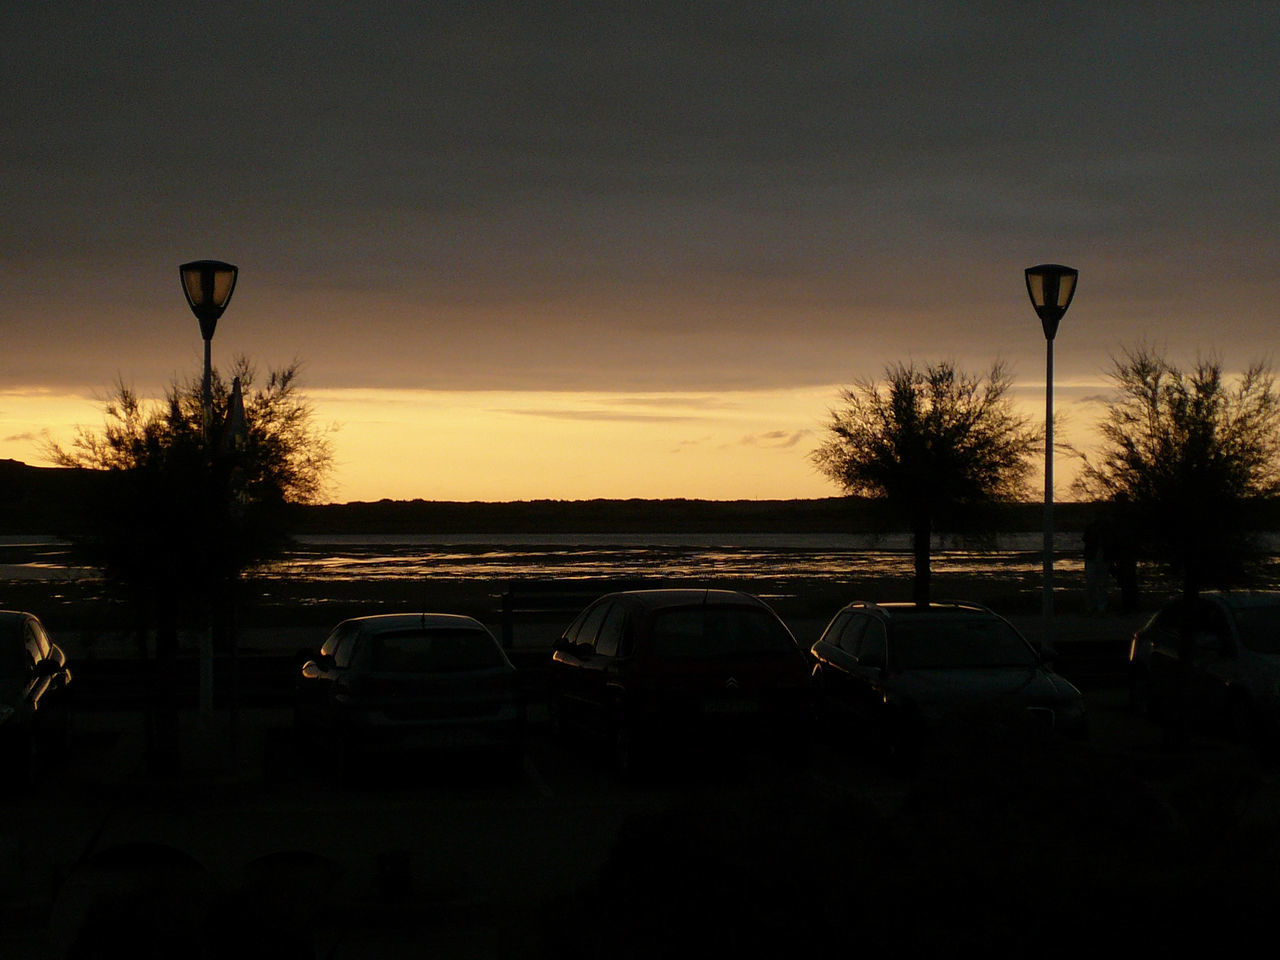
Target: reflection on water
pixel 501 557
pixel 665 557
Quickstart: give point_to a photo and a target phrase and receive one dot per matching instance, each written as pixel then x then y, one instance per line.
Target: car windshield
pixel 714 632
pixel 1260 627
pixel 944 643
pixel 433 651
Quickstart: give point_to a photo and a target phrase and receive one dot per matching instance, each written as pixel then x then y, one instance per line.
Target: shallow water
pixel 353 559
pixel 654 556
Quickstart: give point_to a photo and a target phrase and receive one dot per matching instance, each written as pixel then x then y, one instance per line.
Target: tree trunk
pixel 163 748
pixel 921 535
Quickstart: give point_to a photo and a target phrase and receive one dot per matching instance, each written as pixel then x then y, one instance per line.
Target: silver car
pixel 1231 681
pixel 901 670
pixel 431 682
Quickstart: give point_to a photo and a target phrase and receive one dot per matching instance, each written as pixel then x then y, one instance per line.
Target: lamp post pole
pixel 1047 601
pixel 1051 287
pixel 208 285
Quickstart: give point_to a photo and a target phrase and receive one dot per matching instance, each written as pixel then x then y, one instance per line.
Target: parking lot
pixel 448 856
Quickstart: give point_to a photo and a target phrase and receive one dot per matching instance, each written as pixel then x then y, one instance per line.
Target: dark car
pixel 902 669
pixel 33 685
pixel 418 681
pixel 1231 681
pixel 651 670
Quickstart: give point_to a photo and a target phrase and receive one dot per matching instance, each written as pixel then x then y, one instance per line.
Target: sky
pixel 574 250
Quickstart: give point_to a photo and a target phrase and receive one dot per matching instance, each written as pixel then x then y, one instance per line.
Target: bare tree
pixel 928 440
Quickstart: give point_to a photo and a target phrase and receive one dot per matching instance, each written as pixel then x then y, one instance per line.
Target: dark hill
pixel 45 500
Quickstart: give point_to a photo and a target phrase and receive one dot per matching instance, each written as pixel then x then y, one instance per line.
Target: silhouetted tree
pixel 176 513
pixel 177 518
pixel 929 440
pixel 1186 458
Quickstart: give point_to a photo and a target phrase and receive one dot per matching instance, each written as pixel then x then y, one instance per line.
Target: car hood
pixel 770 671
pixel 937 691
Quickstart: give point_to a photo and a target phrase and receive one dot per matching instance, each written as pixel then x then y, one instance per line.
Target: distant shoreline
pixel 830 515
pixel 42 500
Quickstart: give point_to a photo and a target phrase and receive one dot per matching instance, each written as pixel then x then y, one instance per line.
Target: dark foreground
pixel 1010 845
pixel 1013 845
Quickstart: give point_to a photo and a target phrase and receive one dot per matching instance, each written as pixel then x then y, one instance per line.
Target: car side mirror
pixel 322 662
pixel 48 668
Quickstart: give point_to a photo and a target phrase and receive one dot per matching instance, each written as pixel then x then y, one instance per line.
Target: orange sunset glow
pixel 542 252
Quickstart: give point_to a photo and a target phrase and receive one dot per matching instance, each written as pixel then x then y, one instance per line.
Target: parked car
pixel 34 678
pixel 418 681
pixel 650 670
pixel 1232 678
pixel 901 670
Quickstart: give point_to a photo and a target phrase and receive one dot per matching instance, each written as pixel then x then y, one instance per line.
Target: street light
pixel 208 285
pixel 1051 287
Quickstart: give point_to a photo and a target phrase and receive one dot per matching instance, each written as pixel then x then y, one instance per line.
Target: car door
pixel 578 673
pixel 1164 635
pixel 607 686
pixel 39 663
pixel 1197 687
pixel 847 681
pixel 320 681
pixel 1215 663
pixel 869 646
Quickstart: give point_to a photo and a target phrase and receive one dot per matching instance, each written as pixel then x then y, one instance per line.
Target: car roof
pixel 662 598
pixel 902 610
pixel 377 623
pixel 1243 598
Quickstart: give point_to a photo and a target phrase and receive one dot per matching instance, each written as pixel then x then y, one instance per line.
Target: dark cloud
pixel 669 195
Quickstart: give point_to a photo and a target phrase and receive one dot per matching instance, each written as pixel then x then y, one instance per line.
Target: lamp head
pixel 1051 287
pixel 208 285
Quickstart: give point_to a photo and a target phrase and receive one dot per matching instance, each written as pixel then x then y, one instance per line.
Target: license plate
pixel 735 705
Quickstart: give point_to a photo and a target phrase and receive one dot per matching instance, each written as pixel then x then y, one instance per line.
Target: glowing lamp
pixel 208 285
pixel 1051 287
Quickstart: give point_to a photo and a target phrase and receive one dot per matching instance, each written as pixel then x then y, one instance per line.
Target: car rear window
pixel 714 632
pixel 433 651
pixel 968 642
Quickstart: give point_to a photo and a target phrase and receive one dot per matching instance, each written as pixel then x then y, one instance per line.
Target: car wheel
pixel 346 757
pixel 18 757
pixel 511 762
pixel 899 742
pixel 54 735
pixel 555 716
pixel 628 757
pixel 1139 692
pixel 1242 726
pixel 819 706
